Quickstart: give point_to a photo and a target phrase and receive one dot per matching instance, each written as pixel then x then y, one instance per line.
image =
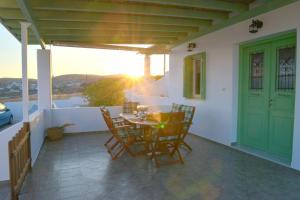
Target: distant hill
pixel 64 84
pixel 79 78
pixel 60 79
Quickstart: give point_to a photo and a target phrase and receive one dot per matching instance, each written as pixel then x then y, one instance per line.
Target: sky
pixel 69 60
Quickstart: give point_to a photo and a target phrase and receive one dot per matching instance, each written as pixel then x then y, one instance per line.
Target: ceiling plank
pixel 112 33
pixel 72 26
pixel 13 13
pixel 113 41
pixel 89 32
pixel 109 38
pixel 112 47
pixel 8 4
pixel 111 26
pixel 95 34
pixel 124 8
pixel 211 4
pixel 23 4
pixel 46 15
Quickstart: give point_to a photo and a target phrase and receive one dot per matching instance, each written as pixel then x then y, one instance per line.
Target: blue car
pixel 6 117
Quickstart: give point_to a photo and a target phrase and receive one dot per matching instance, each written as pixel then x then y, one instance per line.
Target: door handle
pixel 270 102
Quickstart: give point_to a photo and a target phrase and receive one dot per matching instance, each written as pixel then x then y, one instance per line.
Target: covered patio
pixel 245 144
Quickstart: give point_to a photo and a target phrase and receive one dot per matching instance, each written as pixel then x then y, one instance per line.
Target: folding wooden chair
pixel 129 107
pixel 168 139
pixel 189 112
pixel 123 136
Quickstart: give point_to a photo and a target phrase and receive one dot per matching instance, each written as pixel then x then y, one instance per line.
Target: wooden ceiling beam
pixel 201 4
pixel 26 11
pixel 113 34
pixel 110 40
pixel 46 15
pixel 115 26
pixel 156 50
pixel 64 33
pixel 92 27
pixel 8 4
pixel 127 8
pixel 11 13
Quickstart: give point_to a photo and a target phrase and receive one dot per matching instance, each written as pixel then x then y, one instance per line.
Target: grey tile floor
pixel 78 167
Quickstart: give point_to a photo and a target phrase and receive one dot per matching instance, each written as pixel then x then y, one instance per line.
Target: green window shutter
pixel 203 76
pixel 188 77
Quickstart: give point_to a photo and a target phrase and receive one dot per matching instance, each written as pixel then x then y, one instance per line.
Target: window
pixel 195 76
pixel 286 68
pixel 197 73
pixel 256 70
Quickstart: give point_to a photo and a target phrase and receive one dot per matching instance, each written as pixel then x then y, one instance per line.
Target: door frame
pixel 242 47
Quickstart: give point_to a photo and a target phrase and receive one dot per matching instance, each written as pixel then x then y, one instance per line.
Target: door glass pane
pixel 256 70
pixel 286 68
pixel 197 77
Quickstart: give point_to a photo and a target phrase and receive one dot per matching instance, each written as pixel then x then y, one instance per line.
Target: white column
pixel 296 139
pixel 25 96
pixel 165 63
pixel 44 79
pixel 147 65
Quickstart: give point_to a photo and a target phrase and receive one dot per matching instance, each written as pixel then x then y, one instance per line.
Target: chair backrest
pixel 104 111
pixel 108 120
pixel 167 117
pixel 172 129
pixel 130 107
pixel 188 117
pixel 176 107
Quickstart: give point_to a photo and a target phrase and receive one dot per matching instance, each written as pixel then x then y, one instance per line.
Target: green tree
pixel 108 91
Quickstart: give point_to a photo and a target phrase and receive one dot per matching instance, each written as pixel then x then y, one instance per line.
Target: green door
pixel 267 88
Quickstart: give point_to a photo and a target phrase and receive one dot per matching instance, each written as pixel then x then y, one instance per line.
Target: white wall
pixel 37 139
pixel 37 131
pixel 85 119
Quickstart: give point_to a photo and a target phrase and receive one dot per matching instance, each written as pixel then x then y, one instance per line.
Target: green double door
pixel 267 95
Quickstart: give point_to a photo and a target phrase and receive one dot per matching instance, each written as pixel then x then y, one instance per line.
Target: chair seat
pixel 125 133
pixel 169 138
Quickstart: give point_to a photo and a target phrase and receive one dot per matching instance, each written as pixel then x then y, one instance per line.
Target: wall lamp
pixel 191 46
pixel 255 25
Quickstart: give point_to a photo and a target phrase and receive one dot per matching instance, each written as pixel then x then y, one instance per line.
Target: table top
pixel 131 118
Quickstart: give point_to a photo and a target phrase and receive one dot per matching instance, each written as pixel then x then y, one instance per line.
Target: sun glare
pixel 134 74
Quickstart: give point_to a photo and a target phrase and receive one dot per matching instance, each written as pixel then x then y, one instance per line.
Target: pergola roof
pixel 101 23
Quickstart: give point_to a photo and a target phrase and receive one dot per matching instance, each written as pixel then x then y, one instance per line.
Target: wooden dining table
pixel 146 125
pixel 133 119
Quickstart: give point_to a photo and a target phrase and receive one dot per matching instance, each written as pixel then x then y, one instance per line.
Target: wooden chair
pixel 168 139
pixel 176 107
pixel 130 107
pixel 189 112
pixel 123 136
